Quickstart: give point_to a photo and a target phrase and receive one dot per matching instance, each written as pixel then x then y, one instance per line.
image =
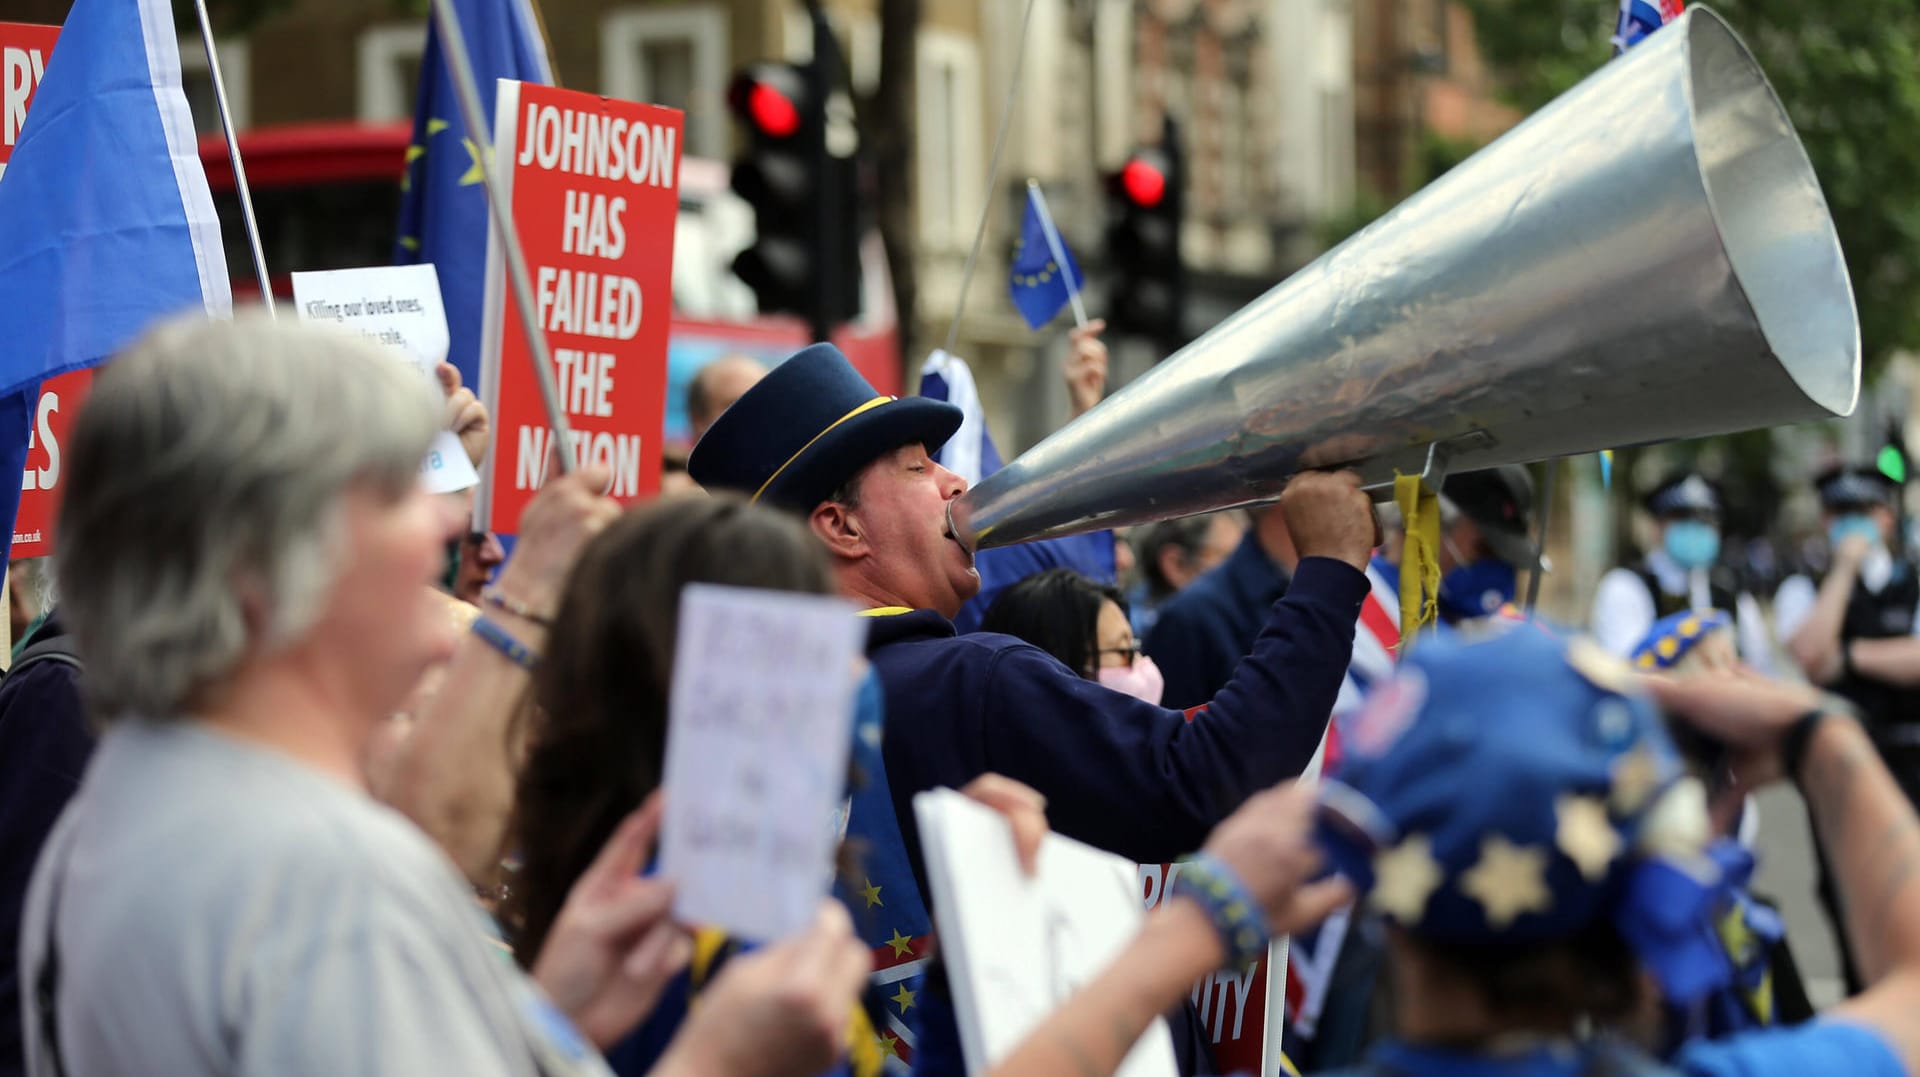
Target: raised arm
pixel 1148 783
pixel 1861 818
pixel 1266 845
pixel 1815 645
pixel 454 775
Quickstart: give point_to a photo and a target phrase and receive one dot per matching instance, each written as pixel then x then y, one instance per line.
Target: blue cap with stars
pixel 1673 636
pixel 1499 790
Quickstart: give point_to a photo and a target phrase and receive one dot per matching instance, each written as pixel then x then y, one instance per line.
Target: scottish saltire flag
pixel 106 223
pixel 443 203
pixel 1038 282
pixel 971 454
pixel 1638 18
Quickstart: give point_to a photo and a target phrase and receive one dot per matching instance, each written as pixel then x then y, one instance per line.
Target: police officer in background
pixel 1854 631
pixel 1858 629
pixel 1677 575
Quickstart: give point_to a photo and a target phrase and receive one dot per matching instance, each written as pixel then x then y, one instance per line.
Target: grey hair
pixel 201 524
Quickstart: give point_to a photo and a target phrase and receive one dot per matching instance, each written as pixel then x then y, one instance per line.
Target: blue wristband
pixel 503 641
pixel 1238 918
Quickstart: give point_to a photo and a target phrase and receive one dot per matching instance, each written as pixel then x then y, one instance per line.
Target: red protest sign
pixel 60 400
pixel 594 188
pixel 1232 1003
pixel 24 48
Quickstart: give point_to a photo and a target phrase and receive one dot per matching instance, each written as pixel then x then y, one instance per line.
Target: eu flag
pixel 443 204
pixel 1038 282
pixel 106 222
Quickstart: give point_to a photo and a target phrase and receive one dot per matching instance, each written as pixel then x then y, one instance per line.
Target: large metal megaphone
pixel 1647 258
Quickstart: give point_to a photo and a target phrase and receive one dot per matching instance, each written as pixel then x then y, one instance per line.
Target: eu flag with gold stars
pixel 1039 282
pixel 443 204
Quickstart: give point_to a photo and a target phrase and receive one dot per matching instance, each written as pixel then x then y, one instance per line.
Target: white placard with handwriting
pixel 1018 946
pixel 759 725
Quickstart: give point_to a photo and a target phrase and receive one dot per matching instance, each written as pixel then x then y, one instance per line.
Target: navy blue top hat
pixel 808 427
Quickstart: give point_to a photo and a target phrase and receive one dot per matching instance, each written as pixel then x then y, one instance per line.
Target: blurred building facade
pixel 1287 107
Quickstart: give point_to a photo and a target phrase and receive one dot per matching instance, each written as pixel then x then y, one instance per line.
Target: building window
pixel 389 70
pixel 951 160
pixel 674 56
pixel 196 78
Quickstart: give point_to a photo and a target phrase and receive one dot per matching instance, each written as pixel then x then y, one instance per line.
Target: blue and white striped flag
pixel 971 454
pixel 106 222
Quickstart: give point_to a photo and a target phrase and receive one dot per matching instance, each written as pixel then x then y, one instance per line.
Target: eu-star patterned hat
pixel 1672 637
pixel 1501 790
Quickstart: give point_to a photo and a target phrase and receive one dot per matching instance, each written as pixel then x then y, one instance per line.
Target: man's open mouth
pixel 953 535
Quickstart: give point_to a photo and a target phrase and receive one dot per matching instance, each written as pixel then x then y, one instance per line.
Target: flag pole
pixel 993 174
pixel 455 47
pixel 1540 538
pixel 233 155
pixel 1058 250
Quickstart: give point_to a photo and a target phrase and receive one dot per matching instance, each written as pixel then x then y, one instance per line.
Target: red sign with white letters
pixel 24 51
pixel 595 193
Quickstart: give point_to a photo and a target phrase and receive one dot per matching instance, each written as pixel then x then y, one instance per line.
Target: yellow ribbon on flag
pixel 1419 556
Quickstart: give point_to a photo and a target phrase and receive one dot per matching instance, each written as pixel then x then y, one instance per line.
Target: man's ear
pixel 838 528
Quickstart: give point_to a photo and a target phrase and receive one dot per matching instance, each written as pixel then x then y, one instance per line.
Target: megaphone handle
pixel 1433 475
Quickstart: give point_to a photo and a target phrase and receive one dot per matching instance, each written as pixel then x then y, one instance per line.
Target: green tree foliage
pixel 1849 73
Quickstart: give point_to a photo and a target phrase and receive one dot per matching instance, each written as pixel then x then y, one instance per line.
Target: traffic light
pixel 805 255
pixel 1892 458
pixel 1147 200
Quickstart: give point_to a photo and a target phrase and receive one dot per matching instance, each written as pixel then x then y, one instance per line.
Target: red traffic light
pixel 771 98
pixel 1143 183
pixel 771 111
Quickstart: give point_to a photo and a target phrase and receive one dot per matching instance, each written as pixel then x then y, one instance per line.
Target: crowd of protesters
pixel 282 794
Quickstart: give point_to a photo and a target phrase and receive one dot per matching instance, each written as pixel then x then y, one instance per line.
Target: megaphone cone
pixel 1647 258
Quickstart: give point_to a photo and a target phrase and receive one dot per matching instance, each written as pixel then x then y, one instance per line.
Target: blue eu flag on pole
pixel 443 204
pixel 106 222
pixel 1044 276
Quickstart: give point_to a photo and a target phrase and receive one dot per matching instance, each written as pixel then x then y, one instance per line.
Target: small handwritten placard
pixel 759 726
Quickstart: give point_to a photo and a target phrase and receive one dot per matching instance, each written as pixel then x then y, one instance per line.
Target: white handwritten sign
pixel 759 726
pixel 1018 946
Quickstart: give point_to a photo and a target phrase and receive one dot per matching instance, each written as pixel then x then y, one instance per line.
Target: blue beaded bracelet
pixel 1238 918
pixel 503 641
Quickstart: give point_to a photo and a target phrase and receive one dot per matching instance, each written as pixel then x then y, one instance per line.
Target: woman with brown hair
pixel 596 727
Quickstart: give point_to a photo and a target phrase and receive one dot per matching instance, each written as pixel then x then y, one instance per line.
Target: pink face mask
pixel 1142 680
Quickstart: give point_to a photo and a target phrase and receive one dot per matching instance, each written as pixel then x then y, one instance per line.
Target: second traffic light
pixel 804 257
pixel 1147 200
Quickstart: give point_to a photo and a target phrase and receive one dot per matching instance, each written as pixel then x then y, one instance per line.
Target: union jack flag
pixel 887 907
pixel 1638 18
pixel 1311 955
